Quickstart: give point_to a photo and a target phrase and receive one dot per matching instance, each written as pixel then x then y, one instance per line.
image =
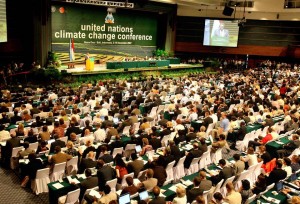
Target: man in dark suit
pixel 175 151
pixel 155 142
pixel 166 158
pixel 15 118
pixel 57 142
pixel 71 129
pixel 131 188
pixel 165 131
pixel 103 154
pixel 276 174
pixel 87 162
pixel 269 121
pixel 13 142
pixel 225 173
pixel 116 144
pixel 191 135
pixel 135 166
pixel 194 153
pixel 205 184
pixel 157 199
pixel 207 120
pixel 89 182
pixel 195 191
pixel 289 147
pixel 104 174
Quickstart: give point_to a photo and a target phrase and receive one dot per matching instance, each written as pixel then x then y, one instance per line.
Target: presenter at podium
pixel 86 57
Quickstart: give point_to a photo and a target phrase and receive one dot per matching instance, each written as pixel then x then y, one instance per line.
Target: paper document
pixel 81 176
pixel 57 185
pixel 174 187
pixel 95 194
pixel 72 180
pixel 26 161
pixel 136 182
pixel 187 182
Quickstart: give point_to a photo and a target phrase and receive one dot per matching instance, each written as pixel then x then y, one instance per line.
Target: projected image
pixel 221 33
pixel 3 26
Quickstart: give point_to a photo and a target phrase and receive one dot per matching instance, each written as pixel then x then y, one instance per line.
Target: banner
pixel 96 25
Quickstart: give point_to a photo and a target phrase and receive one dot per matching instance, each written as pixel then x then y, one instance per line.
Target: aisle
pixel 12 192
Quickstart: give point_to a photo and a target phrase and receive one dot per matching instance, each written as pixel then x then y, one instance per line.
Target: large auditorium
pixel 150 101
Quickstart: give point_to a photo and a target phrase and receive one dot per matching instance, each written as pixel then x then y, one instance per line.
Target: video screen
pixel 221 33
pixel 3 25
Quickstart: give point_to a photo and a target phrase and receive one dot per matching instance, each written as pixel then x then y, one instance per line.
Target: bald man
pixel 157 199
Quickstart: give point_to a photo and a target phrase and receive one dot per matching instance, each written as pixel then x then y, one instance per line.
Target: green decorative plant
pixel 160 53
pixel 53 60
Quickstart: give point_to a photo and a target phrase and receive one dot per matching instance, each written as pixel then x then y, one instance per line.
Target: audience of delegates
pixel 258 97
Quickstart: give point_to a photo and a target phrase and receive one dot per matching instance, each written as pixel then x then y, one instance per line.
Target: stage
pixel 80 69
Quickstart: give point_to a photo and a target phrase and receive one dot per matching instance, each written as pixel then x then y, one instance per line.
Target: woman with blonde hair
pixel 180 196
pixel 146 146
pixel 21 131
pixel 70 149
pixel 202 132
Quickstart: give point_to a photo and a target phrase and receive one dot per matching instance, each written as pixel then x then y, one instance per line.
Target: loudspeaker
pixel 227 11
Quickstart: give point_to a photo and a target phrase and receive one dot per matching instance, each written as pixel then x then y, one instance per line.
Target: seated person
pixel 130 188
pixel 157 199
pixel 26 150
pixel 261 140
pixel 30 169
pixel 150 182
pixel 260 184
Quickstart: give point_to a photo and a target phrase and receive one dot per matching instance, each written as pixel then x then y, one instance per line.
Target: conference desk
pixel 55 193
pixel 256 126
pixel 280 197
pixel 137 64
pixel 273 146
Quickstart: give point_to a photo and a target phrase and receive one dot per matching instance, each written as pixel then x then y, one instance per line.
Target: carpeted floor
pixel 12 192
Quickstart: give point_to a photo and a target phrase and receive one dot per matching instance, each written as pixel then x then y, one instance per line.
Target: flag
pixel 72 54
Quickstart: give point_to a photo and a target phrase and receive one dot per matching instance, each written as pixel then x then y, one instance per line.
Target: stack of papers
pixel 26 161
pixel 81 176
pixel 57 185
pixel 187 182
pixel 72 180
pixel 95 194
pixel 174 187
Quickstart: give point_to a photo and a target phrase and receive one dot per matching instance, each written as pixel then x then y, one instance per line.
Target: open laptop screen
pixel 144 195
pixel 124 199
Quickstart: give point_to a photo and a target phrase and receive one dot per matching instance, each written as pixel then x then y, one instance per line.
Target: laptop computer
pixel 144 195
pixel 138 148
pixel 124 199
pixel 279 185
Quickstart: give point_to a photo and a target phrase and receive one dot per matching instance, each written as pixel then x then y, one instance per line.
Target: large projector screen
pixel 3 26
pixel 221 33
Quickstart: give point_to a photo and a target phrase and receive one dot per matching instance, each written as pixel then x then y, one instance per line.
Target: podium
pixel 89 64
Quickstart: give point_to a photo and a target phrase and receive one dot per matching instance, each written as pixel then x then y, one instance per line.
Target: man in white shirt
pixel 92 102
pixel 99 134
pixel 103 111
pixel 4 134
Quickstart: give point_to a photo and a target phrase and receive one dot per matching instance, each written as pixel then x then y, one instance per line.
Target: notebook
pixel 124 199
pixel 144 195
